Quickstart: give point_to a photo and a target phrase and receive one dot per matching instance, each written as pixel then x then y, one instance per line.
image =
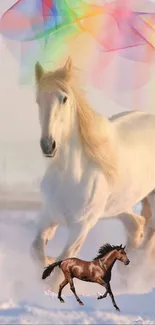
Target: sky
pixel 20 160
pixel 18 110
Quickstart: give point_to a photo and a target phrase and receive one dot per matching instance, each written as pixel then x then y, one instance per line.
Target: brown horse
pixel 97 271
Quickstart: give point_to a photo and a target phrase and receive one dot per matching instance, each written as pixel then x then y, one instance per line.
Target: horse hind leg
pixel 72 287
pixel 149 243
pixel 135 226
pixel 62 285
pixel 146 209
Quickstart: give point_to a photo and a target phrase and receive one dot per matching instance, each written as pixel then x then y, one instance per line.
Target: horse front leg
pixel 103 296
pixel 45 233
pixel 38 246
pixel 108 291
pixel 77 234
pixel 112 297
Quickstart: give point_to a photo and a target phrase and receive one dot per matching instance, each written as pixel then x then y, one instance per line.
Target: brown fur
pixel 97 271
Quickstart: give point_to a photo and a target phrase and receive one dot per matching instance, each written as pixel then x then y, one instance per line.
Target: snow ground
pixel 23 299
pixel 135 310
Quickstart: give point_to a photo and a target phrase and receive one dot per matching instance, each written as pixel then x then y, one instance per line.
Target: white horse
pixel 98 167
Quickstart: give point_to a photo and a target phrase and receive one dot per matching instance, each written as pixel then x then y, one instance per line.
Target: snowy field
pixel 25 300
pixel 11 313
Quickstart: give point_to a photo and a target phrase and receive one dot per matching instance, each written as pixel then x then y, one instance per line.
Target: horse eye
pixel 64 100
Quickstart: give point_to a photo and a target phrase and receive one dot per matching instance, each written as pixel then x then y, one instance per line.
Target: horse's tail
pixel 49 269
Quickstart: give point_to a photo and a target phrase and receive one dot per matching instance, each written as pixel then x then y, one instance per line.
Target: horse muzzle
pixel 48 146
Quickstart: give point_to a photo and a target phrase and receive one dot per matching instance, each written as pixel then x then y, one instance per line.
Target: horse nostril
pixel 53 145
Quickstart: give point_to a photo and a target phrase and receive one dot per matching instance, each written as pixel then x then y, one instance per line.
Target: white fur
pixel 76 191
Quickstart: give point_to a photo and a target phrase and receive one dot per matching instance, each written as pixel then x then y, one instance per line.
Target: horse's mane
pixel 96 136
pixel 95 130
pixel 106 249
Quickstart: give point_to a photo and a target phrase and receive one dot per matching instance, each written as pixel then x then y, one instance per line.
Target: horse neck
pixel 109 260
pixel 72 157
pixel 98 138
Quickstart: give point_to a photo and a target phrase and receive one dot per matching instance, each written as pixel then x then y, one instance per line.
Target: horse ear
pixel 124 247
pixel 68 64
pixel 39 71
pixel 121 246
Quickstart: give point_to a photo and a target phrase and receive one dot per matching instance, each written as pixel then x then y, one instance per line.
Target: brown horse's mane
pixel 106 249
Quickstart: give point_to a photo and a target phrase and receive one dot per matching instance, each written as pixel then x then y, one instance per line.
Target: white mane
pixel 94 130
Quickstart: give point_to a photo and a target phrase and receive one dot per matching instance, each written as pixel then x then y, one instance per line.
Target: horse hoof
pixel 117 309
pixel 81 303
pixel 99 297
pixel 62 301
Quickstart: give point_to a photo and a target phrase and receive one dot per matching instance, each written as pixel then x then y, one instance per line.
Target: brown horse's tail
pixel 49 269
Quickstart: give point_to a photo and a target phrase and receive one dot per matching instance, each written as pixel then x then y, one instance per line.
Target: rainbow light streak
pixel 46 29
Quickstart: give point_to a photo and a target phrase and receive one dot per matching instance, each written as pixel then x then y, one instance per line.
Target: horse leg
pixel 72 287
pixel 103 296
pixel 103 284
pixel 149 243
pixel 135 226
pixel 44 234
pixel 108 291
pixel 62 285
pixel 112 297
pixel 77 235
pixel 50 233
pixel 146 208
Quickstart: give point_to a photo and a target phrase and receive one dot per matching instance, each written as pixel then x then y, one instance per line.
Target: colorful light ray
pixel 47 29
